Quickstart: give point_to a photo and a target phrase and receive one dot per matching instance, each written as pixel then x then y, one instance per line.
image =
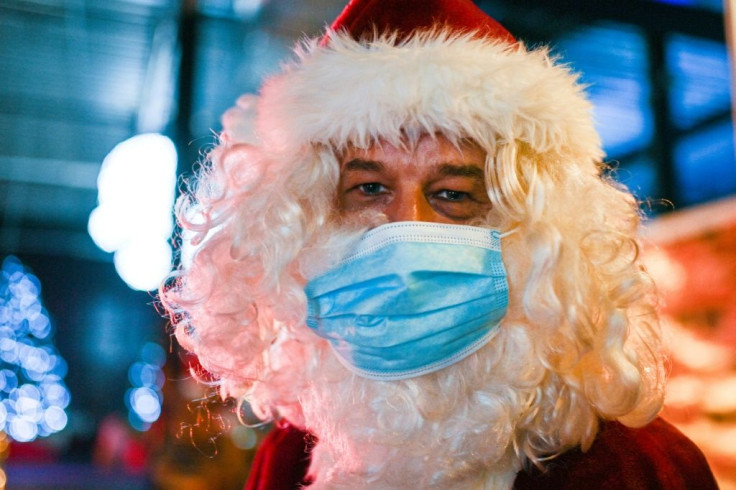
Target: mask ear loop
pixel 509 232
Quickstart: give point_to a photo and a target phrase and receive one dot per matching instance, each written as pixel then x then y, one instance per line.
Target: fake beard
pixel 451 429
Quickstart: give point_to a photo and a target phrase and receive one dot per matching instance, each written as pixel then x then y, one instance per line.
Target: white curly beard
pixel 450 429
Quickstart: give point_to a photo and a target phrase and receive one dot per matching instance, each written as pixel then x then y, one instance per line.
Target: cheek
pixel 351 204
pixel 363 217
pixel 495 219
pixel 340 201
pixel 517 261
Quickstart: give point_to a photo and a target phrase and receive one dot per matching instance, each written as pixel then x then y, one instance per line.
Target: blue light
pixel 144 399
pixel 640 177
pixel 714 5
pixel 700 79
pixel 55 418
pixel 705 165
pixel 10 381
pixel 153 354
pixel 687 3
pixel 146 403
pixel 22 429
pixel 33 395
pixel 612 60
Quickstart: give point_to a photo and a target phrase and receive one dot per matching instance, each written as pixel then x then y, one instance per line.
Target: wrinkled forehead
pixel 411 143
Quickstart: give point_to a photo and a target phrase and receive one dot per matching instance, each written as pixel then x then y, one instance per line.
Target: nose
pixel 410 205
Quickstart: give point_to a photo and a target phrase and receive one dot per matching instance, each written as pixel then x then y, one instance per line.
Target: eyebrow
pixel 366 165
pixel 446 169
pixel 454 170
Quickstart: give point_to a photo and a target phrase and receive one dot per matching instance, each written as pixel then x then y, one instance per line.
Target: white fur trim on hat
pixel 436 81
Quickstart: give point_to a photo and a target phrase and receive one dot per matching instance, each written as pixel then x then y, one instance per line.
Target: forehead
pixel 426 149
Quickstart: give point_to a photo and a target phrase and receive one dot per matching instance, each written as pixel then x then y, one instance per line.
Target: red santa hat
pixel 365 17
pixel 388 68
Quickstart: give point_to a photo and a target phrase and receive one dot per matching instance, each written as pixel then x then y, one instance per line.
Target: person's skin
pixel 435 182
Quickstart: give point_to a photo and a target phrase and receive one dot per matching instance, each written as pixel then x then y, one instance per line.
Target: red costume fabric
pixel 366 17
pixel 655 457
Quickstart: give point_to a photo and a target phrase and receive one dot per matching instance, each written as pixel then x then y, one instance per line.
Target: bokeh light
pixel 243 437
pixel 145 398
pixel 134 219
pixel 33 396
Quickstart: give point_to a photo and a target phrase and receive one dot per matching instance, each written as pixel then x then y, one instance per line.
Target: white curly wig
pixel 580 342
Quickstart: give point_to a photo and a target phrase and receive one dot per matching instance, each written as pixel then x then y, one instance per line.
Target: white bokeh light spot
pixel 134 219
pixel 146 404
pixel 143 264
pixel 55 417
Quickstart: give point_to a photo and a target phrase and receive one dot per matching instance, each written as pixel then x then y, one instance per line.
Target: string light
pixel 33 396
pixel 145 398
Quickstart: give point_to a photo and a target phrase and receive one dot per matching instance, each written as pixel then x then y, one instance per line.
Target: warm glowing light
pixel 670 275
pixel 136 188
pixel 684 391
pixel 720 396
pixel 696 353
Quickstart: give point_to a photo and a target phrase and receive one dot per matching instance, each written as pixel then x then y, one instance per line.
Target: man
pixel 492 329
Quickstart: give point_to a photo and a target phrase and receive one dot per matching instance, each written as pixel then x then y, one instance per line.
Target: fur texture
pixel 580 341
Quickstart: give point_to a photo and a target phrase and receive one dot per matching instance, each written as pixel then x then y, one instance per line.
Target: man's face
pixel 425 428
pixel 434 182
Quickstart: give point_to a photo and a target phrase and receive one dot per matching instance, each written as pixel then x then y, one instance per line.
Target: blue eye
pixel 371 188
pixel 450 195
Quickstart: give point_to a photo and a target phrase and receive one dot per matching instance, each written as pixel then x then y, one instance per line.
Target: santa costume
pixel 563 392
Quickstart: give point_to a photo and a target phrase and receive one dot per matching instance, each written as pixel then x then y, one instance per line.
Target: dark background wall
pixel 78 77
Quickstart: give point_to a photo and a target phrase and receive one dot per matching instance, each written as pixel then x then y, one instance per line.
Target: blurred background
pixel 106 105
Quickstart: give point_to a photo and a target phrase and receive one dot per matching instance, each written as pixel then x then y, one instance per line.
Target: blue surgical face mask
pixel 412 298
